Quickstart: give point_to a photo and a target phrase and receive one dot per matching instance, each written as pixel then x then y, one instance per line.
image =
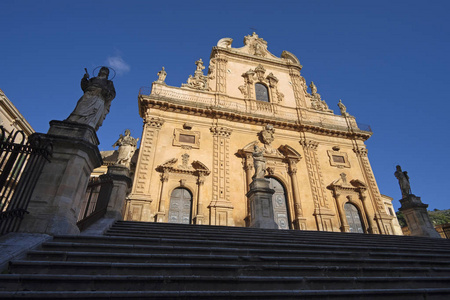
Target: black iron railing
pixel 21 163
pixel 95 202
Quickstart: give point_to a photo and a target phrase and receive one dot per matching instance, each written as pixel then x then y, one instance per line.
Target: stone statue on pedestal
pixel 162 75
pixel 127 147
pixel 259 162
pixel 94 105
pixel 403 181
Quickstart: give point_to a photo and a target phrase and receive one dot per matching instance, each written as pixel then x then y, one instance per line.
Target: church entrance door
pixel 180 206
pixel 280 212
pixel 353 218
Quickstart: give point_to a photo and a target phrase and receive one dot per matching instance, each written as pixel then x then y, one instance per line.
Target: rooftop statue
pixel 127 147
pixel 94 105
pixel 343 108
pixel 162 75
pixel 403 181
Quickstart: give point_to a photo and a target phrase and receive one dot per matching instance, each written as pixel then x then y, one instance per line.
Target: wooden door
pixel 280 212
pixel 353 218
pixel 180 206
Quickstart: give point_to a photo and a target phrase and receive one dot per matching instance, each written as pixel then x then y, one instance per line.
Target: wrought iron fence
pixel 21 163
pixel 95 202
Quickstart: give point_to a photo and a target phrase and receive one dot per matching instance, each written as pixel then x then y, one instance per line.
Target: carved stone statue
pixel 162 75
pixel 342 108
pixel 403 181
pixel 94 105
pixel 127 147
pixel 313 88
pixel 316 101
pixel 259 162
pixel 198 81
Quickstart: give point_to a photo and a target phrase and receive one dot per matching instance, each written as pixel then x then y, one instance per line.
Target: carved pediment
pixel 343 184
pixel 195 168
pixel 289 152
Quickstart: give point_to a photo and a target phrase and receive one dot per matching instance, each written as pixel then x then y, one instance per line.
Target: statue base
pixel 417 218
pixel 261 206
pixel 120 176
pixel 55 204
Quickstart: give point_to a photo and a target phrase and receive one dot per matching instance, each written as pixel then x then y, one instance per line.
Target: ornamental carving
pixel 196 168
pixel 258 76
pixel 316 101
pixel 221 131
pixel 199 81
pixel 256 45
pixel 267 137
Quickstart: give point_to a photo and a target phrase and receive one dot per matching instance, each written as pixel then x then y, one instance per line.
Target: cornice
pixel 200 109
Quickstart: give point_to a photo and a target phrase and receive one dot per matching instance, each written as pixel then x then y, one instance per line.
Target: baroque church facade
pixel 195 161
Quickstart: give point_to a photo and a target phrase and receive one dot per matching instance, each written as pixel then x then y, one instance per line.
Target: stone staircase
pixel 136 260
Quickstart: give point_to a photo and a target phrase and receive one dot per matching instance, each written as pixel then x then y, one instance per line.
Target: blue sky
pixel 387 60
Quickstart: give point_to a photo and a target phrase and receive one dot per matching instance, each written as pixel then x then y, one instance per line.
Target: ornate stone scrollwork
pixel 198 81
pixel 258 75
pixel 221 131
pixel 257 45
pixel 316 101
pixel 266 137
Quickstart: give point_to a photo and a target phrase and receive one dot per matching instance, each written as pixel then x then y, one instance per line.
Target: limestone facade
pixel 195 164
pixel 11 119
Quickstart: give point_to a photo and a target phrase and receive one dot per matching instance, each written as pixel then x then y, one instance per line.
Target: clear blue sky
pixel 387 60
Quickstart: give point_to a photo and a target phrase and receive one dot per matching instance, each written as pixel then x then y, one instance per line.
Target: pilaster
pixel 221 209
pixel 322 212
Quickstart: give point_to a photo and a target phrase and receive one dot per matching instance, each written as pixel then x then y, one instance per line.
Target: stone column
pixel 120 176
pixel 417 218
pixel 160 215
pixel 261 206
pixel 344 224
pixel 56 200
pixel 199 217
pixel 370 217
pixel 296 195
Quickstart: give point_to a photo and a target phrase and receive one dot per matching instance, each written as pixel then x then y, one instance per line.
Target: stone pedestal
pixel 120 176
pixel 261 206
pixel 56 200
pixel 417 218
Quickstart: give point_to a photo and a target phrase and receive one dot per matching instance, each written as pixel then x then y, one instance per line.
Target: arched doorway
pixel 180 206
pixel 353 218
pixel 280 211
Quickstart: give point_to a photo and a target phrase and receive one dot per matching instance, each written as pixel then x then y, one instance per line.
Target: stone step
pixel 313 251
pixel 278 239
pixel 255 259
pixel 282 236
pixel 367 294
pixel 44 282
pixel 204 269
pixel 250 232
pixel 168 241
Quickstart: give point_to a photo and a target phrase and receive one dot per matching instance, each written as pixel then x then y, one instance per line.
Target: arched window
pixel 262 93
pixel 180 206
pixel 353 218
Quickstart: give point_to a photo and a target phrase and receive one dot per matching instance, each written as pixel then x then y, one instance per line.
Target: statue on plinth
pixel 127 147
pixel 403 181
pixel 162 75
pixel 342 108
pixel 94 105
pixel 259 162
